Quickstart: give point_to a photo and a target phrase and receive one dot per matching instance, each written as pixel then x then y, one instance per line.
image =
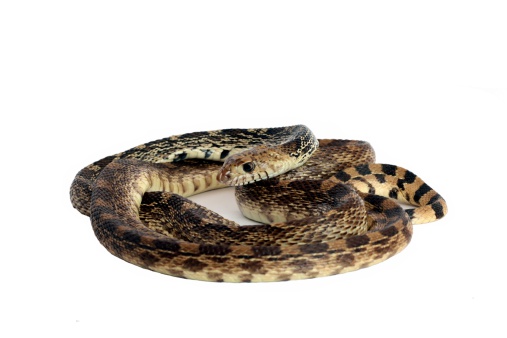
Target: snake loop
pixel 327 208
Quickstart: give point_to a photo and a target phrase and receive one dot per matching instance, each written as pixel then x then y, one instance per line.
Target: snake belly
pixel 336 211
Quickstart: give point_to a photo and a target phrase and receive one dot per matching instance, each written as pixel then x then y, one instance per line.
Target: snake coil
pixel 327 208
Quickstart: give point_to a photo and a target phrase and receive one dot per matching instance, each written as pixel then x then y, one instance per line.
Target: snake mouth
pixel 227 177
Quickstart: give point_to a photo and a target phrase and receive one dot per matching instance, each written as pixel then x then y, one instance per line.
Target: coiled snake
pixel 329 208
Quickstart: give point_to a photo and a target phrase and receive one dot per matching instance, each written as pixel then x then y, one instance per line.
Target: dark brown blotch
pixel 246 278
pixel 394 212
pixel 148 258
pixel 284 277
pixel 131 236
pixel 355 241
pixel 253 266
pixel 313 248
pixel 214 249
pixel 345 259
pixel 219 259
pixel 176 273
pixel 215 276
pixel 266 251
pixel 167 244
pixel 407 233
pixel 193 265
pixel 301 266
pixel 381 242
pixel 381 250
pixel 389 231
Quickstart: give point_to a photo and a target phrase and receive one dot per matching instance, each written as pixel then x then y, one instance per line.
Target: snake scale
pixel 325 206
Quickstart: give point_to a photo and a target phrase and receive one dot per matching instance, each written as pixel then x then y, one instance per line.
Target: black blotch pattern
pixel 389 169
pixel 180 157
pixel 434 199
pixel 438 209
pixel 363 169
pixel 374 199
pixel 224 154
pixel 400 183
pixel 393 193
pixel 423 189
pixel 380 178
pixel 207 153
pixel 409 177
pixel 342 176
pixel 393 212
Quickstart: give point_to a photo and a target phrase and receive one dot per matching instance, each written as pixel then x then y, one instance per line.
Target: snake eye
pixel 248 167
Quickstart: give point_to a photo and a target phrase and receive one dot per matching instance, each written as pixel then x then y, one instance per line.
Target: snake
pixel 322 206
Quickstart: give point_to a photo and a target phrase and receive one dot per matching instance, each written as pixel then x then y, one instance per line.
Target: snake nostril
pixel 224 176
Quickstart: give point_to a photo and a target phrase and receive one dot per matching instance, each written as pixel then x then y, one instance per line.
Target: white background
pixel 424 83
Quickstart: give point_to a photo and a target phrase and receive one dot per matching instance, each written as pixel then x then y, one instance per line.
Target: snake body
pixel 327 206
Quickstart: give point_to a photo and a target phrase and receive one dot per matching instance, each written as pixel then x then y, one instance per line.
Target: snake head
pixel 253 165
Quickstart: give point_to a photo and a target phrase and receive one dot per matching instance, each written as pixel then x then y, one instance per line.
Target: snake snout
pixel 224 176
